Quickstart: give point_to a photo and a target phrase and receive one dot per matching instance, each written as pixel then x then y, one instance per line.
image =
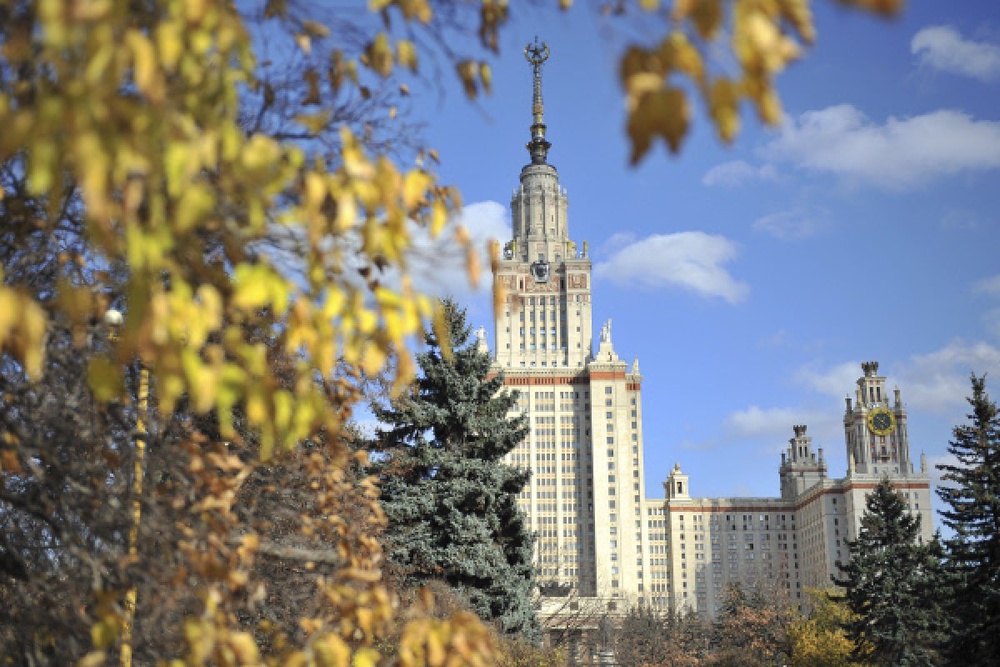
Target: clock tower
pixel 875 428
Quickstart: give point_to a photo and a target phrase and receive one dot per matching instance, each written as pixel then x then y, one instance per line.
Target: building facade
pixel 601 543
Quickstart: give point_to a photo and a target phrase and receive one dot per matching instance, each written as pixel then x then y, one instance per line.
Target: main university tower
pixel 585 445
pixel 602 545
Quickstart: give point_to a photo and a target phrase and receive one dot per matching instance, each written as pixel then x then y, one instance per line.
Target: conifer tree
pixel 891 585
pixel 449 497
pixel 971 494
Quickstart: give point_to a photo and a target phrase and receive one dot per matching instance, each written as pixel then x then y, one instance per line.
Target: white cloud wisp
pixel 738 172
pixel 691 260
pixel 943 48
pixel 900 154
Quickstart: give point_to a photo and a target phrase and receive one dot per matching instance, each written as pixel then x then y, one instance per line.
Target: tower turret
pixel 546 321
pixel 538 147
pixel 800 469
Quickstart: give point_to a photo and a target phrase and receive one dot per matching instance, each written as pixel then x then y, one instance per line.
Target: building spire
pixel 536 54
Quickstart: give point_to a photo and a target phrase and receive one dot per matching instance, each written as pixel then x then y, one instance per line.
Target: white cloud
pixel 691 260
pixel 989 285
pixel 438 265
pixel 900 154
pixel 738 172
pixel 937 382
pixel 834 381
pixel 773 423
pixel 943 48
pixel 616 242
pixel 791 225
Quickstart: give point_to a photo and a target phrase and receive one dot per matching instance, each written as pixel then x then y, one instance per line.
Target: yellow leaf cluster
pixel 138 107
pixel 456 642
pixel 166 165
pixel 22 329
pixel 475 76
pixel 765 36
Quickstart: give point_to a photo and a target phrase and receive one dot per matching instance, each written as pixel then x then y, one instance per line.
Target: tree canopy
pixel 450 499
pixel 890 585
pixel 239 180
pixel 970 490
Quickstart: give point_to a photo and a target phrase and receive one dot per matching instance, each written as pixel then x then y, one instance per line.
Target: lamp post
pixel 114 319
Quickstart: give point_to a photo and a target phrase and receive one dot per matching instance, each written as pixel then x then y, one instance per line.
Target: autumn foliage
pixel 238 180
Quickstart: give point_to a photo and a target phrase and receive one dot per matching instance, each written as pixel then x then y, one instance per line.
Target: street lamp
pixel 114 319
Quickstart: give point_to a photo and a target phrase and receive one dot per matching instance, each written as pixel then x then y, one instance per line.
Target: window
pixel 608 390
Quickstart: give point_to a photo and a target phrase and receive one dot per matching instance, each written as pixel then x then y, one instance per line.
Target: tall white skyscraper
pixel 586 493
pixel 601 543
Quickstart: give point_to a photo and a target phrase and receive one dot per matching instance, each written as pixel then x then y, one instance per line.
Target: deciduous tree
pixel 648 637
pixel 750 629
pixel 819 639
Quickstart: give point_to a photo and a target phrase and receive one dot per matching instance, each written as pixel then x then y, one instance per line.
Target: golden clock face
pixel 881 421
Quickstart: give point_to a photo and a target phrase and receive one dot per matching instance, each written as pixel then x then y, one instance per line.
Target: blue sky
pixel 752 280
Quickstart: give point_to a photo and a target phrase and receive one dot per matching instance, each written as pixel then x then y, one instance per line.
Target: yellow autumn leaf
pixel 415 186
pixel 331 651
pixel 799 14
pixel 406 53
pixel 93 659
pixel 196 202
pixel 416 9
pixel 303 41
pixel 664 113
pixel 315 29
pixel 707 16
pixel 105 379
pixel 724 108
pixel 311 77
pixel 314 122
pixel 145 65
pixel 467 75
pixel 883 7
pixel 103 634
pixel 366 657
pixel 439 216
pixel 373 359
pixel 255 286
pixel 169 44
pixel 680 54
pixel 769 107
pixel 42 159
pixel 486 77
pixel 379 55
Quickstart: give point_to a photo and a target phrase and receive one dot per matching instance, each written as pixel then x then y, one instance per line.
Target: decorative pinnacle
pixel 538 147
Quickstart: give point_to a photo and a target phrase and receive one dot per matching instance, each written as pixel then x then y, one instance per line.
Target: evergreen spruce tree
pixel 449 497
pixel 891 586
pixel 971 493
